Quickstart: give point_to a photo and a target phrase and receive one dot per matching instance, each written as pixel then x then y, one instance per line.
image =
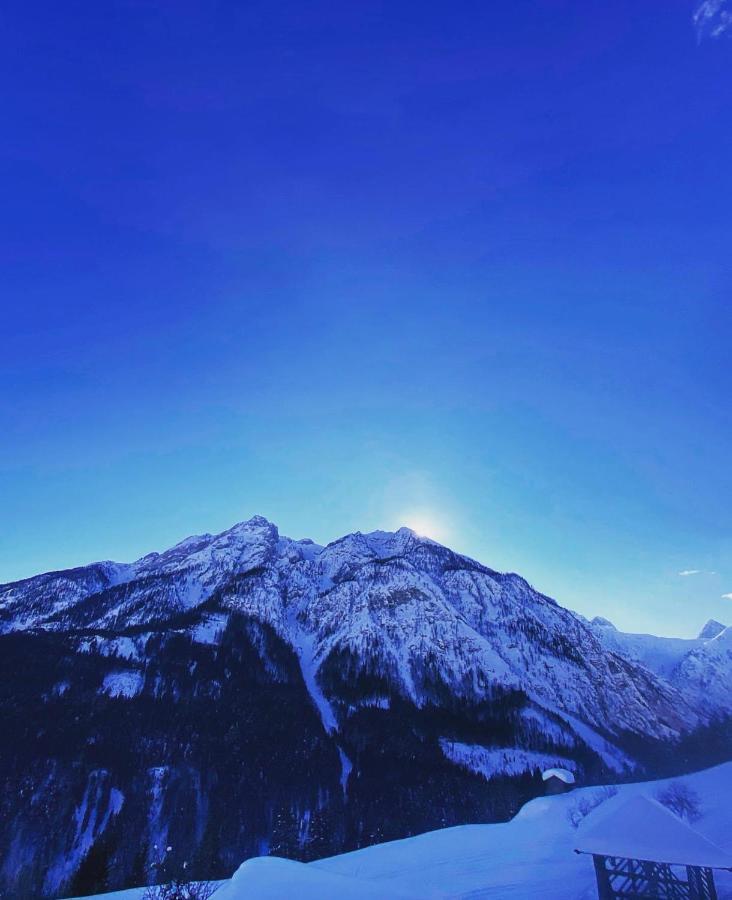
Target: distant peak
pixel 711 630
pixel 602 622
pixel 256 523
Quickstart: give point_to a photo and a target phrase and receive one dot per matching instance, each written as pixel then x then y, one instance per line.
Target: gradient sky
pixel 465 266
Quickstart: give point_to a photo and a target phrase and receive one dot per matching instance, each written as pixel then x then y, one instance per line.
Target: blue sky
pixel 350 265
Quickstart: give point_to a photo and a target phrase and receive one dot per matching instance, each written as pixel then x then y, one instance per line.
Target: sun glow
pixel 426 525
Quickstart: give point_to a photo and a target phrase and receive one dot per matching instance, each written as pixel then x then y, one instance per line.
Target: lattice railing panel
pixel 618 878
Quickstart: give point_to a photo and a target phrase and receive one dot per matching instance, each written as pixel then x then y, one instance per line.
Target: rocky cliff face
pixel 243 693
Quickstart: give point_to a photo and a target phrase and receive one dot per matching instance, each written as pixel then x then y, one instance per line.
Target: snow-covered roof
pixel 562 774
pixel 644 829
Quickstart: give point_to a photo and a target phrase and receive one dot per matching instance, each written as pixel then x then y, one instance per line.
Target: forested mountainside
pixel 244 694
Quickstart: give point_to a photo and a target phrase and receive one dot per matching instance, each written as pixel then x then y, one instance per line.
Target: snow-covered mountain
pixel 700 668
pixel 711 630
pixel 706 672
pixel 330 696
pixel 395 606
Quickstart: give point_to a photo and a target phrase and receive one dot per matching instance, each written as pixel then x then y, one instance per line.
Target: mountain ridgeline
pixel 244 694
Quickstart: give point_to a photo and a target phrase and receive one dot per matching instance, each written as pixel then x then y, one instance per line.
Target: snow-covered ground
pixel 210 628
pixel 124 683
pixel 530 857
pixel 489 762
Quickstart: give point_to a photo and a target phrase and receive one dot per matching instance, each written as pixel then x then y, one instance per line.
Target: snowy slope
pixel 489 762
pixel 659 654
pixel 531 856
pixel 701 668
pixel 707 671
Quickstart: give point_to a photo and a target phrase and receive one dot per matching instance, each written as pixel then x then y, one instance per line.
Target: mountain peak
pixel 257 530
pixel 711 630
pixel 388 543
pixel 602 622
pixel 253 524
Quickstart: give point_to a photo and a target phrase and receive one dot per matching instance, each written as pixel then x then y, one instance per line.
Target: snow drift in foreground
pixel 528 857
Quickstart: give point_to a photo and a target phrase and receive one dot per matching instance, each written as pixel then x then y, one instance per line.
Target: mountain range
pixel 324 697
